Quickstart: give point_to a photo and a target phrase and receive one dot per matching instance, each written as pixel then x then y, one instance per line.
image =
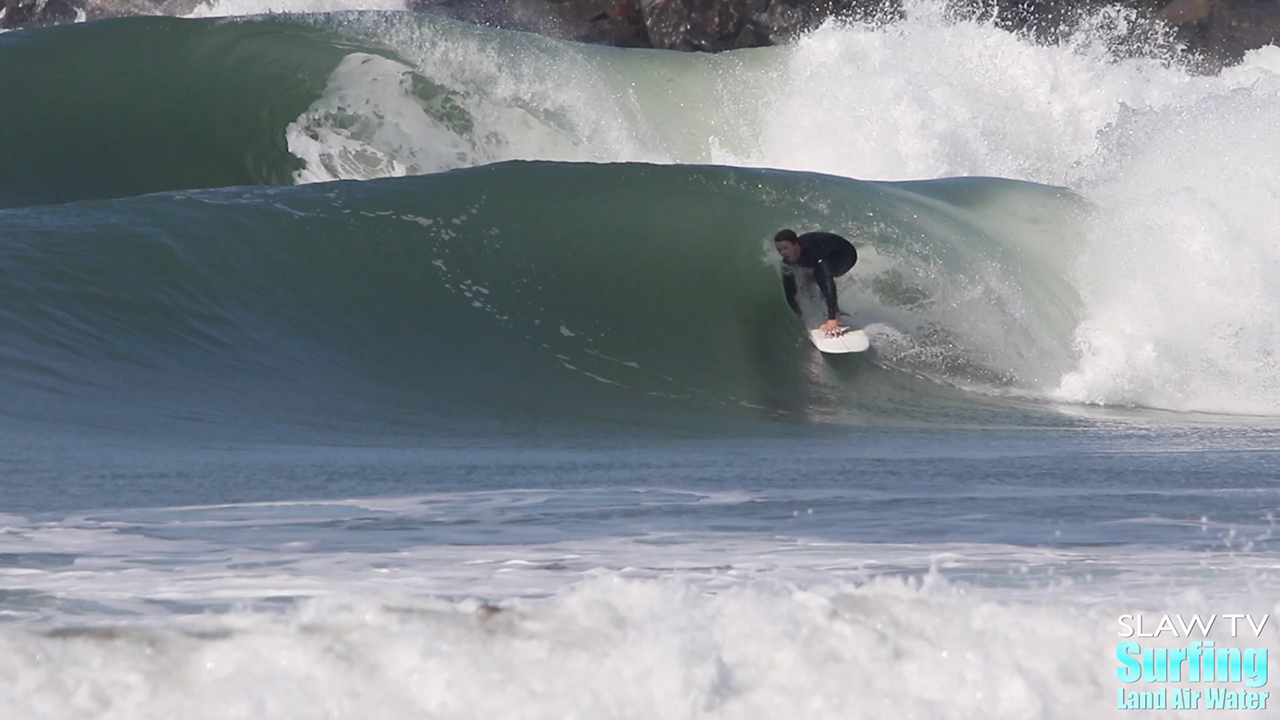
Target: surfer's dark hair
pixel 787 235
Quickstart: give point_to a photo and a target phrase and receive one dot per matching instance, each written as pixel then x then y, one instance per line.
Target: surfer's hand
pixel 830 328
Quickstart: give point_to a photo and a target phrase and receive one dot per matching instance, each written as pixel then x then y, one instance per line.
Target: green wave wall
pixel 136 105
pixel 520 291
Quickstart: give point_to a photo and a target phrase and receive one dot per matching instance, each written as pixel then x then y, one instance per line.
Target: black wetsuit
pixel 829 256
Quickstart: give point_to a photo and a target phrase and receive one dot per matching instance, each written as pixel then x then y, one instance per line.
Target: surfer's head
pixel 788 246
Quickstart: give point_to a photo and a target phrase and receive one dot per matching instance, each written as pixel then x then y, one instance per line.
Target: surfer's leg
pixel 842 261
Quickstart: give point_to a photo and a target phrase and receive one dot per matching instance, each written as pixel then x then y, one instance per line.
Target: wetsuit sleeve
pixel 828 286
pixel 789 287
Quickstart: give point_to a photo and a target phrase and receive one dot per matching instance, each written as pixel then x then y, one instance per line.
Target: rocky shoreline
pixel 1217 31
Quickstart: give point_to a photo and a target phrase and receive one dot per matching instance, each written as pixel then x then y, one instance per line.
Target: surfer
pixel 827 255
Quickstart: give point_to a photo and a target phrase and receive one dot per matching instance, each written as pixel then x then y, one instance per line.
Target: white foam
pixel 470 97
pixel 126 563
pixel 232 8
pixel 306 609
pixel 1179 273
pixel 610 647
pixel 367 125
pixel 925 97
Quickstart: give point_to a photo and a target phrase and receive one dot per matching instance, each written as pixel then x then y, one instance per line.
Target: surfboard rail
pixel 847 341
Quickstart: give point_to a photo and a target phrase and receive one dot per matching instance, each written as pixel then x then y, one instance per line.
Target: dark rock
pixel 1225 29
pixel 708 25
pixel 604 22
pixel 1054 20
pixel 701 25
pixel 1220 31
pixel 31 13
pixel 1187 12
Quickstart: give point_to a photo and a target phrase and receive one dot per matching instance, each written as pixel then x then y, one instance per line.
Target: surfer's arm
pixel 828 286
pixel 789 287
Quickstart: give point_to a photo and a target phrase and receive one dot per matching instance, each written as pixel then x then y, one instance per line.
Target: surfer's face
pixel 789 251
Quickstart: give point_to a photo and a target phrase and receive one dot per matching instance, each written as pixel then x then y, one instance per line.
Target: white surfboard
pixel 813 310
pixel 848 341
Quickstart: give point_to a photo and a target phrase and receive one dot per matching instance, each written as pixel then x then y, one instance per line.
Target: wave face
pixel 531 287
pixel 1165 276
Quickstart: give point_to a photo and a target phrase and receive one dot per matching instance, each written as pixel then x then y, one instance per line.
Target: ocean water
pixel 359 363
